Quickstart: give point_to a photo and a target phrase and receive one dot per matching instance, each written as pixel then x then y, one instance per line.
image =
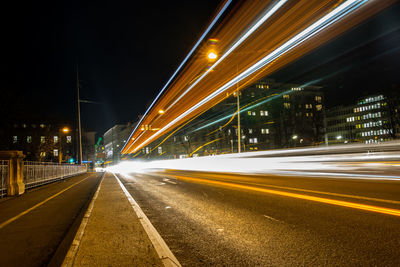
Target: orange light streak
pixel 290 20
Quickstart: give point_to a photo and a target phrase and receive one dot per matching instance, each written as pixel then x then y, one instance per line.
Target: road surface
pixel 224 219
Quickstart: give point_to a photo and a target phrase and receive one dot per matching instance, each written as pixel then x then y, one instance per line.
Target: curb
pixel 163 251
pixel 71 254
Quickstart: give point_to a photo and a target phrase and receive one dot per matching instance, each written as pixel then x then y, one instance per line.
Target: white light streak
pixel 228 2
pixel 327 20
pixel 233 47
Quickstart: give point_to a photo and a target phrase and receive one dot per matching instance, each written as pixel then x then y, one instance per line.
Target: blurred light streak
pixel 212 89
pixel 267 15
pixel 324 161
pixel 243 109
pixel 208 143
pixel 342 203
pixel 214 21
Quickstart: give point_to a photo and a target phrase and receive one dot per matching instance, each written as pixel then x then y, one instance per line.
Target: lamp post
pixel 212 55
pixel 79 116
pixel 63 130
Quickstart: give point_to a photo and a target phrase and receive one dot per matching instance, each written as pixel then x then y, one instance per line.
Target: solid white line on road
pixel 163 251
pixel 71 254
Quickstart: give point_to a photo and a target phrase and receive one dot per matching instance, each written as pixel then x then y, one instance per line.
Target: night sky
pixel 127 51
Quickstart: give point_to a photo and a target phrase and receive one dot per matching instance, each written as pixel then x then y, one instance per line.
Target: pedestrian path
pixel 111 234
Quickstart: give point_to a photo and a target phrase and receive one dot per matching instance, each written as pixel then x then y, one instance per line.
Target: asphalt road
pixel 210 219
pixel 36 226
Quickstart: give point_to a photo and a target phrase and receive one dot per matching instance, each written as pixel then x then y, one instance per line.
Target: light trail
pixel 244 109
pixel 364 207
pixel 264 18
pixel 267 15
pixel 223 9
pixel 327 20
pixel 324 162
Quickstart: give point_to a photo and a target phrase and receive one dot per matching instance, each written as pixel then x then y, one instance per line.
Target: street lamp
pixel 63 130
pixel 212 55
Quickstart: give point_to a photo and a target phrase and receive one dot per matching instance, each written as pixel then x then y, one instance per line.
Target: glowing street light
pixel 63 130
pixel 212 55
pixel 161 111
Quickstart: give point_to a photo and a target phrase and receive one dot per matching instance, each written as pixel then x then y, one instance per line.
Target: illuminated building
pixel 113 141
pixel 273 115
pixel 40 141
pixel 372 119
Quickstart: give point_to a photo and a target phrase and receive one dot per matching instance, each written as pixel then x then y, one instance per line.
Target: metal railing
pixel 39 173
pixel 3 177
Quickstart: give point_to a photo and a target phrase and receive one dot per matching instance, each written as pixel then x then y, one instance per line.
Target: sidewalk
pixel 111 233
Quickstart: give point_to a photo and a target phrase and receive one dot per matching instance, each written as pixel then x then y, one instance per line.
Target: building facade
pixel 372 119
pixel 41 141
pixel 272 115
pixel 113 141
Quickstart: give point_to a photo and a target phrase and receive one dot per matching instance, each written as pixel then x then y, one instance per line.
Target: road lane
pixel 40 219
pixel 206 224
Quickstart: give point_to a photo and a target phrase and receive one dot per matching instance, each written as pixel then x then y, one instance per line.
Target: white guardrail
pixel 39 173
pixel 3 177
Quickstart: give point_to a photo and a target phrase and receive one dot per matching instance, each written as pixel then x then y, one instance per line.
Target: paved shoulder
pixel 113 235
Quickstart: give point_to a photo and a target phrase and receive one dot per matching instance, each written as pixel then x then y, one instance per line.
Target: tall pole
pixel 79 115
pixel 238 112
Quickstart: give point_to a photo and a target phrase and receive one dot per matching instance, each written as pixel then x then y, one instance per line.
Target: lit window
pixel 286 105
pixel 42 139
pixel 55 152
pixel 265 131
pixel 250 131
pixel 69 139
pixel 24 125
pixel 262 112
pixel 286 96
pixel 253 113
pixel 255 141
pixel 55 138
pixel 159 150
pixel 42 125
pixel 308 106
pixel 15 139
pixel 318 98
pixel 318 107
pixel 251 140
pixel 185 138
pixel 249 113
pixel 147 150
pixel 29 139
pixel 42 154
